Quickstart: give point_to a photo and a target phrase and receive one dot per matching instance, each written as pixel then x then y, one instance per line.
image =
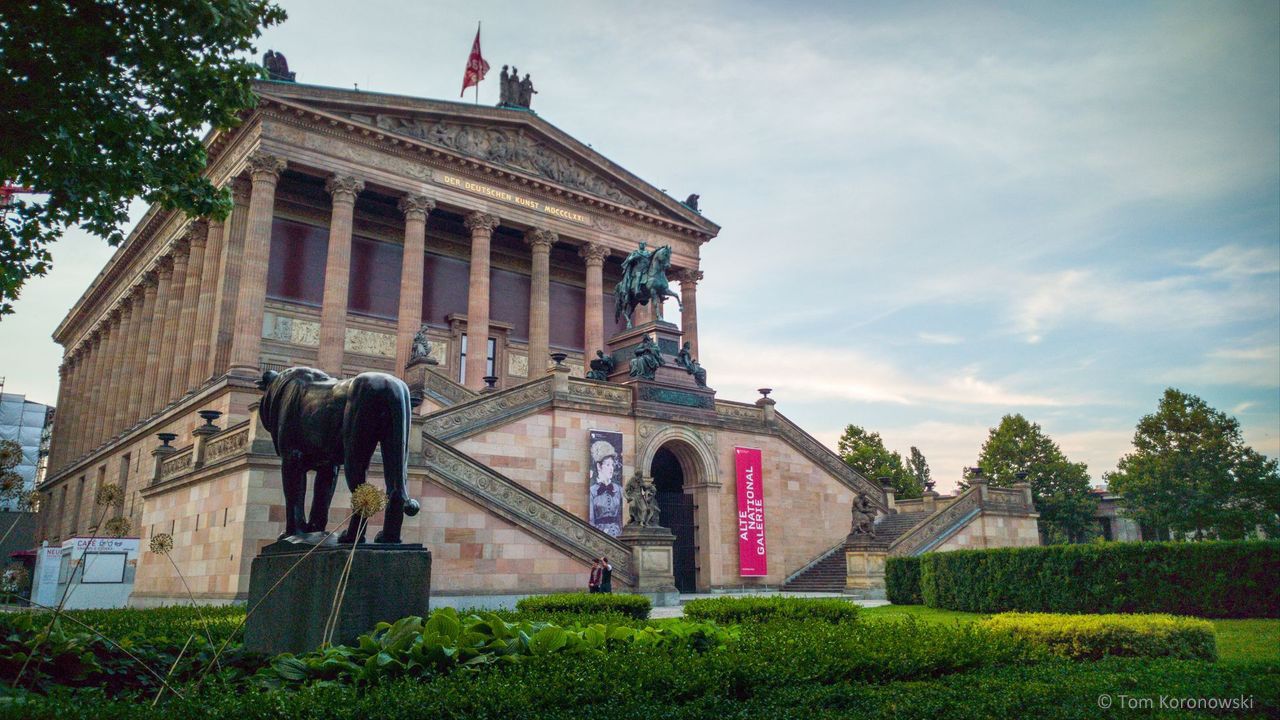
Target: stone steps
pixel 830 573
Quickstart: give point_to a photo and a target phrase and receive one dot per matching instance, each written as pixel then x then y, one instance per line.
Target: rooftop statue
pixel 644 279
pixel 319 423
pixel 647 360
pixel 514 92
pixel 277 66
pixel 691 202
pixel 601 366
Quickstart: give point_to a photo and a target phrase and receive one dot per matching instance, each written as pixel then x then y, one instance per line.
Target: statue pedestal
pixel 672 388
pixel 387 582
pixel 864 558
pixel 653 558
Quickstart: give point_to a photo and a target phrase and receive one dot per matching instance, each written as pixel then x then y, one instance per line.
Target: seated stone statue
pixel 421 349
pixel 864 516
pixel 647 360
pixel 686 360
pixel 601 367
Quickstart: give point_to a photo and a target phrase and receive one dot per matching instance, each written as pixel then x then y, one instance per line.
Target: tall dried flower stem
pixel 173 667
pixel 340 592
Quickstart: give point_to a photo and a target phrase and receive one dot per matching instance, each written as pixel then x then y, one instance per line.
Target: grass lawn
pixel 1239 641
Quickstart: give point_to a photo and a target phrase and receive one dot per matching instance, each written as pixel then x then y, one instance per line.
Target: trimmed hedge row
pixel 1093 637
pixel 902 580
pixel 1236 579
pixel 728 610
pixel 633 606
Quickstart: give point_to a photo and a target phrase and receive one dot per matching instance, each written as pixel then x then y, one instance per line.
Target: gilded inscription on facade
pixel 494 193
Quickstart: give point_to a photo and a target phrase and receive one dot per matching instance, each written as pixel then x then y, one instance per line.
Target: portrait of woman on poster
pixel 605 507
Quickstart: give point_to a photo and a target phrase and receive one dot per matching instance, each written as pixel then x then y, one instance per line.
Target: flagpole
pixel 478 81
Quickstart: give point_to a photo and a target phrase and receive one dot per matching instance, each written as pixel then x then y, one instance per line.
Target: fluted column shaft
pixel 593 320
pixel 540 242
pixel 57 439
pixel 481 226
pixel 182 357
pixel 246 343
pixel 107 351
pixel 337 273
pixel 92 361
pixel 409 318
pixel 201 352
pixel 230 267
pixel 172 325
pixel 120 370
pixel 155 341
pixel 146 326
pixel 689 312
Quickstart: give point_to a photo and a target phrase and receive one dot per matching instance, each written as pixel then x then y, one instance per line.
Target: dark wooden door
pixel 675 512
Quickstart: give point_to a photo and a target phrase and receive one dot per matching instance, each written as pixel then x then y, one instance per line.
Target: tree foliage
pixel 1191 472
pixel 865 452
pixel 10 480
pixel 919 469
pixel 1059 487
pixel 104 102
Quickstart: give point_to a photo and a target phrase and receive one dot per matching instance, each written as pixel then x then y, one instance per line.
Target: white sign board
pixel 48 567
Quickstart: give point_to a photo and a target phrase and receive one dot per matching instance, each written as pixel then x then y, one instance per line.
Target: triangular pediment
pixel 515 140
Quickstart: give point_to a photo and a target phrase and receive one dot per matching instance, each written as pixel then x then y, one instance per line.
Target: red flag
pixel 476 66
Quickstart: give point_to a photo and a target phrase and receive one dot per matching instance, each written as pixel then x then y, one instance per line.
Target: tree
pixel 1059 487
pixel 919 469
pixel 11 483
pixel 1191 472
pixel 866 453
pixel 104 102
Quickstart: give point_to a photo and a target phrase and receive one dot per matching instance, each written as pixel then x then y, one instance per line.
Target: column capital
pixel 264 166
pixel 180 245
pixel 416 206
pixel 196 233
pixel 240 189
pixel 481 221
pixel 343 187
pixel 688 276
pixel 540 238
pixel 593 253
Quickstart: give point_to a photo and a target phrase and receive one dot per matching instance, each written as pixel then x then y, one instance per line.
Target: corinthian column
pixel 409 319
pixel 147 325
pixel 92 371
pixel 121 370
pixel 59 432
pixel 172 326
pixel 593 313
pixel 182 358
pixel 689 312
pixel 201 352
pixel 540 242
pixel 481 226
pixel 246 342
pixel 337 273
pixel 102 398
pixel 155 340
pixel 229 269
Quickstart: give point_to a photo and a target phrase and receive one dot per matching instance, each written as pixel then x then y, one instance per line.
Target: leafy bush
pixel 1205 579
pixel 633 606
pixel 727 610
pixel 151 624
pixel 902 580
pixel 1091 637
pixel 416 648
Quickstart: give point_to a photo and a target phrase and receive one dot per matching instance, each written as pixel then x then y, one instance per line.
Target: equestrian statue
pixel 644 279
pixel 318 423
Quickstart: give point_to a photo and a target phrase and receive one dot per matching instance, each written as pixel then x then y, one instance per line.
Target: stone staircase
pixel 827 573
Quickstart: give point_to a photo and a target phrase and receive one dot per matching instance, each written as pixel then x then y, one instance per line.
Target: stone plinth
pixel 387 582
pixel 653 558
pixel 864 558
pixel 673 389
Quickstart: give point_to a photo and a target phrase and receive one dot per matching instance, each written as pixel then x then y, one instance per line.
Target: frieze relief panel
pixel 617 396
pixel 922 534
pixel 510 147
pixel 226 446
pixel 291 330
pixel 518 365
pixel 312 140
pixel 478 414
pixel 368 342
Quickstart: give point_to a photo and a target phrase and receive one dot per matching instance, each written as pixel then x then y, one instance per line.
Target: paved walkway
pixel 678 610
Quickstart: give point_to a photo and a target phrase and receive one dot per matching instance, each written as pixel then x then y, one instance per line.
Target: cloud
pixel 1252 366
pixel 939 338
pixel 1234 262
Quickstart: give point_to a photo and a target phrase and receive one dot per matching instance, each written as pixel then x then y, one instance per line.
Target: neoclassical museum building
pixel 363 220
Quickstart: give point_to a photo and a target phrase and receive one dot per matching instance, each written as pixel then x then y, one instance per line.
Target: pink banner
pixel 753 557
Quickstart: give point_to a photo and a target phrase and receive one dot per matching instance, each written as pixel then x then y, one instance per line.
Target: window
pixel 374 287
pixel 295 272
pixel 488 366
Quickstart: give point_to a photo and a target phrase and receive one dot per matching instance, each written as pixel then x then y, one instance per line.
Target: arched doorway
pixel 676 513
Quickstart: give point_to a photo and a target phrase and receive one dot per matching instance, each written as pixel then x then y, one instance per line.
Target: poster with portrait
pixel 604 494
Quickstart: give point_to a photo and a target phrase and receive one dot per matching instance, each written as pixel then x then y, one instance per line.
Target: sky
pixel 934 214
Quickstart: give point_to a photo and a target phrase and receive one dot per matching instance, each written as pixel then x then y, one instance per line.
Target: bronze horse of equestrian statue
pixel 318 423
pixel 644 279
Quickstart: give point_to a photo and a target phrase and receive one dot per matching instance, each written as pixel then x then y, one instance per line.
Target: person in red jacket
pixel 593 584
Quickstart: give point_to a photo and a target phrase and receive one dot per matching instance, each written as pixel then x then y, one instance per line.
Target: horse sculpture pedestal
pixel 387 582
pixel 672 388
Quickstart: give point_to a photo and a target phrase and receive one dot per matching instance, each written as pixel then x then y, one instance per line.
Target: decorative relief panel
pixel 226 446
pixel 922 534
pixel 478 414
pixel 617 396
pixel 294 331
pixel 368 342
pixel 359 155
pixel 439 350
pixel 518 365
pixel 504 146
pixel 576 369
pixel 176 465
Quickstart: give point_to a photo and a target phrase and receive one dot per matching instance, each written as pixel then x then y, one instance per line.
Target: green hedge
pixel 726 610
pixel 902 580
pixel 1206 579
pixel 1093 637
pixel 632 606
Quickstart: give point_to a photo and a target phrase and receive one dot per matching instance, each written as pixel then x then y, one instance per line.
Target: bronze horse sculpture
pixel 320 423
pixel 644 279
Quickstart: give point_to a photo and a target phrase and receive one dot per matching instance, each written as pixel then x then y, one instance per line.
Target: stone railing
pixel 176 464
pixel 928 530
pixel 228 443
pixel 1008 501
pixel 809 446
pixel 445 391
pixel 507 499
pixel 487 410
